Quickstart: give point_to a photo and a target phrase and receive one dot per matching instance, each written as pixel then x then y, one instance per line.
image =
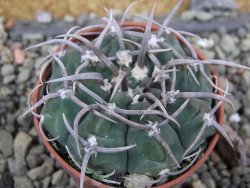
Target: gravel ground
pixel 24 162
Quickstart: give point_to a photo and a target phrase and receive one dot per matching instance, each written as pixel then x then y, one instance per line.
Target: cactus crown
pixel 130 101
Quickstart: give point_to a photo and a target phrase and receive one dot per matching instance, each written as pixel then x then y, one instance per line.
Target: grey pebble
pixel 23 182
pixel 5 91
pixel 225 182
pixel 9 79
pixel 45 182
pixel 210 183
pixel 23 75
pixel 202 168
pixel 236 179
pixel 42 171
pixel 241 32
pixel 17 166
pixel 245 131
pixel 6 142
pixel 33 160
pixel 227 43
pixel 68 18
pixel 60 178
pixel 7 69
pixel 245 45
pixel 225 173
pixel 32 37
pixel 22 143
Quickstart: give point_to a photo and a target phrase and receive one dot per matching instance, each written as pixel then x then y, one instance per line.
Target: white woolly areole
pixel 139 73
pixel 172 95
pixel 153 42
pixel 235 118
pixel 205 43
pixel 208 118
pixel 131 93
pixel 111 106
pixel 154 129
pixel 164 171
pixel 112 29
pixel 90 56
pixel 92 141
pixel 135 99
pixel 63 93
pixel 164 76
pixel 106 86
pixel 61 53
pixel 124 58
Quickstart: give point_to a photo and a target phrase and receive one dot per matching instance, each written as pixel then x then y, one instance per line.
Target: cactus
pixel 130 101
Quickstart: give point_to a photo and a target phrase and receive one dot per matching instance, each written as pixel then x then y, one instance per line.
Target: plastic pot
pixel 91 183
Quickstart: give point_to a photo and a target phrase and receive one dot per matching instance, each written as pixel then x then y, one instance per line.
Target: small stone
pixel 8 79
pixel 37 150
pixel 6 91
pixel 33 160
pixel 60 178
pixel 23 75
pixel 43 17
pixel 7 69
pixel 69 18
pixel 17 166
pixel 23 182
pixel 214 172
pixel 221 166
pixel 202 168
pixel 82 19
pixel 246 178
pixel 45 182
pixel 208 54
pixel 188 15
pixel 19 55
pixel 225 173
pixel 245 131
pixel 198 184
pixel 204 16
pixel 5 55
pixel 6 141
pixel 210 183
pixel 3 34
pixel 220 54
pixel 242 32
pixel 245 45
pixel 236 180
pixel 28 64
pixel 138 183
pixel 42 171
pixel 227 43
pixel 32 37
pixel 22 143
pixel 194 177
pixel 225 182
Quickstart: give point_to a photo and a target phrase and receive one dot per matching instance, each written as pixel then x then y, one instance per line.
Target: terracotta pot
pixel 91 183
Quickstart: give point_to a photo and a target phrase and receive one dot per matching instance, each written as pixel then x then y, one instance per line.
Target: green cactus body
pixel 148 157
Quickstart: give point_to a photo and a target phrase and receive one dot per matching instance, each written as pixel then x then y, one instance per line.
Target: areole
pixel 93 183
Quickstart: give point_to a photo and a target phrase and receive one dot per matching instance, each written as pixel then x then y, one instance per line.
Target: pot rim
pixel 89 181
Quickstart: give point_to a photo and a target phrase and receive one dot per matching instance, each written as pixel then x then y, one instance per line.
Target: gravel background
pixel 24 162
